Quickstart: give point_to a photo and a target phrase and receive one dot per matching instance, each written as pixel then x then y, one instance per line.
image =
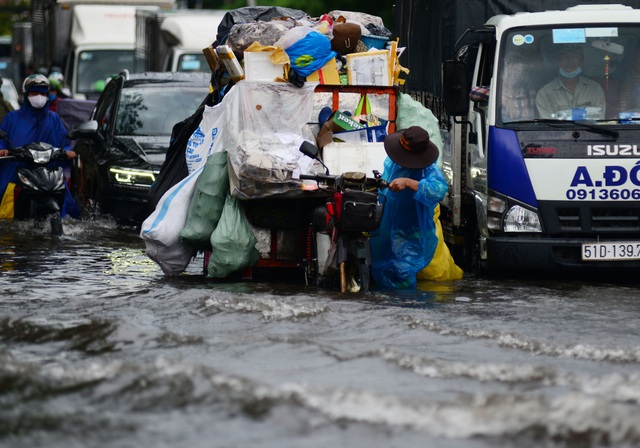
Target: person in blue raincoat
pixel 33 122
pixel 406 240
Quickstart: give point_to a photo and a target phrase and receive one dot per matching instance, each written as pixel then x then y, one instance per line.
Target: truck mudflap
pixel 555 255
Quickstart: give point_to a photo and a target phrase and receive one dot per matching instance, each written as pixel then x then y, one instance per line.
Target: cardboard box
pixel 360 157
pixel 328 74
pixel 345 122
pixel 371 68
pixel 371 134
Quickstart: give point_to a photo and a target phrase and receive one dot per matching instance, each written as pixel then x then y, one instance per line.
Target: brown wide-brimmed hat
pixel 411 148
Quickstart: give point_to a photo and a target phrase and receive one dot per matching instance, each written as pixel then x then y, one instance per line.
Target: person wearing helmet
pixel 55 89
pixel 33 122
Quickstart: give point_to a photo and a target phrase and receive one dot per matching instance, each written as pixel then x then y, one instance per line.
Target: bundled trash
pixel 340 47
pixel 266 64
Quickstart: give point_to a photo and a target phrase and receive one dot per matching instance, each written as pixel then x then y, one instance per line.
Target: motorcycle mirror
pixel 309 150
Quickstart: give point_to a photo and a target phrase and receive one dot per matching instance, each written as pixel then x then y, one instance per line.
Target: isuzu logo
pixel 613 150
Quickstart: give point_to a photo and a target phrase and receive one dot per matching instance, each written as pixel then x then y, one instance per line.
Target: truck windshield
pixel 570 73
pixel 95 67
pixel 192 63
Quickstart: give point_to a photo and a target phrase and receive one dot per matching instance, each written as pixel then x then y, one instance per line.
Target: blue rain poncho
pixel 406 240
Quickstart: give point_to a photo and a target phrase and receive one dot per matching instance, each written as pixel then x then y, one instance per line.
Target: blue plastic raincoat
pixel 406 240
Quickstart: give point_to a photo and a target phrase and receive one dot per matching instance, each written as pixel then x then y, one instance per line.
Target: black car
pixel 120 150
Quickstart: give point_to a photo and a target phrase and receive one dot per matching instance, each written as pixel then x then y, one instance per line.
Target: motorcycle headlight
pixel 520 219
pixel 130 177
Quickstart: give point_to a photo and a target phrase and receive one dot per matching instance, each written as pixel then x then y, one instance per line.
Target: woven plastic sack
pixel 309 53
pixel 233 244
pixel 207 202
pixel 161 230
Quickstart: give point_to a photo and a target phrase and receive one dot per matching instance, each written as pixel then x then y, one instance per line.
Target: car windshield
pixel 570 73
pixel 154 110
pixel 97 66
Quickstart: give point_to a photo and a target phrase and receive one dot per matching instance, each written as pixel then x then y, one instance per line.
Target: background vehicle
pixel 173 40
pixel 351 211
pixel 533 195
pixel 10 93
pixel 120 150
pixel 40 188
pixel 5 56
pixel 92 40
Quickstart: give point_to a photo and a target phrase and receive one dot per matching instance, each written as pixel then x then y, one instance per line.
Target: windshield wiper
pixel 558 123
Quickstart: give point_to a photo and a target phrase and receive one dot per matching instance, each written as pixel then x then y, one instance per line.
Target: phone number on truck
pixel 612 194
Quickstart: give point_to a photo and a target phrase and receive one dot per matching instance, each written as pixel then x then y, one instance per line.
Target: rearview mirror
pixel 86 129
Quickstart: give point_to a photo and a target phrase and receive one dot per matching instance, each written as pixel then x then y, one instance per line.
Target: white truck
pixel 173 40
pixel 89 40
pixel 539 187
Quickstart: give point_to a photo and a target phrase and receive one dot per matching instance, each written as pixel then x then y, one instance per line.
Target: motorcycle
pixel 40 188
pixel 340 247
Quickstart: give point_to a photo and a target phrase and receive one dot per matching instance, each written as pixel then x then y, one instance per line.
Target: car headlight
pixel 131 177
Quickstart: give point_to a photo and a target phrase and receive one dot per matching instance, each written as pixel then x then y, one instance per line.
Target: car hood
pixel 152 150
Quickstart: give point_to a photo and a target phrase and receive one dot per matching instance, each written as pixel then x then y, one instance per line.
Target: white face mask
pixel 38 101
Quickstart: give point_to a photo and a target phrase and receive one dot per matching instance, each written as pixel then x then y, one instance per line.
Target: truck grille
pixel 617 219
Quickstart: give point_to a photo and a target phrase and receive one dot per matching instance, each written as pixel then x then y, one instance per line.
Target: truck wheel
pixel 477 266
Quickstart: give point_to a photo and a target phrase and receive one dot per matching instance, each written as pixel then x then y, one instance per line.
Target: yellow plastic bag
pixel 6 206
pixel 442 266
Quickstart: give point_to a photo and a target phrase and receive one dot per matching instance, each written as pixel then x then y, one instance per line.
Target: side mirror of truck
pixel 456 88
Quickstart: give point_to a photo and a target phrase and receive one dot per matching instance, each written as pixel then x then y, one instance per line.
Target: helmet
pixel 56 74
pixel 35 82
pixel 55 84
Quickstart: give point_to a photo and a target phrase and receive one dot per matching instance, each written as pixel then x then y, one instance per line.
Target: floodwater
pixel 99 349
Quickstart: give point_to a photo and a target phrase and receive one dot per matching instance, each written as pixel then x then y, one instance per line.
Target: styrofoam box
pixel 258 67
pixel 362 157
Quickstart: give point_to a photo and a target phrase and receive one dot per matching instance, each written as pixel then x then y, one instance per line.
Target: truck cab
pixel 543 157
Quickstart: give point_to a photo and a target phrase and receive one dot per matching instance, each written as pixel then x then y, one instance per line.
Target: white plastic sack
pixel 264 123
pixel 200 144
pixel 161 230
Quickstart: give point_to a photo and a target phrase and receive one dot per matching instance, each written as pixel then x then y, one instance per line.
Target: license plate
pixel 611 251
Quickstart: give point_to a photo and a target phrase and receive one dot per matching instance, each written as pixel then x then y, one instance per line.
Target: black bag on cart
pixel 361 211
pixel 174 167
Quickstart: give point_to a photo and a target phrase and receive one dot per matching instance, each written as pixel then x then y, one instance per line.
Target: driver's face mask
pixel 38 101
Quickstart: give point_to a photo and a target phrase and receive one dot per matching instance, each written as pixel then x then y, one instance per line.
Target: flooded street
pixel 100 349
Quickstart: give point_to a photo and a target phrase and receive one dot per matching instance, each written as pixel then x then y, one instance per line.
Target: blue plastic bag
pixel 310 53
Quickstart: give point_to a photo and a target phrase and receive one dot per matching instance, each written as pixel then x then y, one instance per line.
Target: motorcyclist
pixel 33 122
